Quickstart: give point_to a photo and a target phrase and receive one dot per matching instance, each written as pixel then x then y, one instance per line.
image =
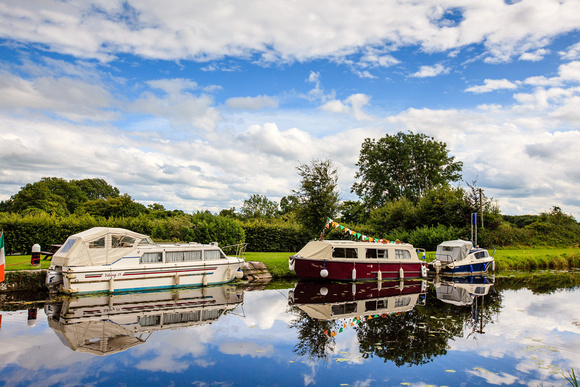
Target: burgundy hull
pixel 310 293
pixel 343 271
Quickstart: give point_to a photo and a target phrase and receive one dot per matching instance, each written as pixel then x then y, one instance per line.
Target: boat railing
pixel 240 249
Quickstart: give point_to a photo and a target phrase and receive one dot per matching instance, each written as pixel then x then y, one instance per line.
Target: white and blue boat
pixel 460 257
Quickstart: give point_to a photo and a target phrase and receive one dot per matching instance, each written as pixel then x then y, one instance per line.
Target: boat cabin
pixel 457 250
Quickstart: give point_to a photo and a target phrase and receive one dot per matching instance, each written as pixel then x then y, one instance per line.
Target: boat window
pixel 118 241
pixel 211 314
pixel 210 255
pixel 176 318
pixel 181 256
pixel 97 244
pixel 481 254
pixel 402 301
pixel 375 305
pixel 146 241
pixel 347 308
pixel 376 253
pixel 192 255
pixel 402 254
pixel 67 245
pixel 151 258
pixel 480 290
pixel 149 321
pixel 344 252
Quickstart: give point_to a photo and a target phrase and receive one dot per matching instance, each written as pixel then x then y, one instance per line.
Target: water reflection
pixel 394 321
pixel 107 324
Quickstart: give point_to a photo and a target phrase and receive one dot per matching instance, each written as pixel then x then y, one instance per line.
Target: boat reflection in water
pixel 329 301
pixel 467 291
pixel 462 291
pixel 107 324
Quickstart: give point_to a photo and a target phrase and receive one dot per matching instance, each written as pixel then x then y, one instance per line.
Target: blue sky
pixel 198 105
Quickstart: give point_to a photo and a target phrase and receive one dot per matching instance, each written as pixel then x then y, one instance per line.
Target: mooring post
pixel 35 258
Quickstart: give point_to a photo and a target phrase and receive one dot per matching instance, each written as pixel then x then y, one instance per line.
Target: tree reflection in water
pixel 413 336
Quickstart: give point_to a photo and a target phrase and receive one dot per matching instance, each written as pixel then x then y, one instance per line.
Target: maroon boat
pixel 333 300
pixel 354 261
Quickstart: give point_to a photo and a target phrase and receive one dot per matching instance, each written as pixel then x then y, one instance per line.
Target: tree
pixel 258 206
pixel 403 165
pixel 353 212
pixel 51 195
pixel 318 196
pixel 96 188
pixel 288 204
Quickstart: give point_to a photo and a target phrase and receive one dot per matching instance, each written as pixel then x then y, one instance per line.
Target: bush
pixel 429 237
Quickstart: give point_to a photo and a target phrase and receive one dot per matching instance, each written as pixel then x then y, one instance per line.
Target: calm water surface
pixel 502 331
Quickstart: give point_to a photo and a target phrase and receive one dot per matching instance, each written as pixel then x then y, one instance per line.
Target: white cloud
pixel 252 103
pixel 572 53
pixel 352 105
pixel 535 56
pixel 186 30
pixel 430 71
pixel 492 85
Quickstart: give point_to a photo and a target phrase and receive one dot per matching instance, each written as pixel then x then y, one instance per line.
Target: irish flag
pixel 2 259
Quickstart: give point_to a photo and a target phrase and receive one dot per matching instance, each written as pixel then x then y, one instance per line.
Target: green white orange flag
pixel 2 259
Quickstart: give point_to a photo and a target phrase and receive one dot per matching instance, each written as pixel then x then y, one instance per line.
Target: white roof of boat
pixel 457 243
pixel 94 247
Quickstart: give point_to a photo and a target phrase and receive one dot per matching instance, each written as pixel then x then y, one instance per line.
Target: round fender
pixel 239 274
pixel 323 291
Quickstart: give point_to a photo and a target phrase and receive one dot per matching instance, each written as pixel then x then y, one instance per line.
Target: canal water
pixel 511 330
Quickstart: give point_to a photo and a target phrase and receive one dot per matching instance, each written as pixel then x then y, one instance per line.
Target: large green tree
pixel 403 165
pixel 318 196
pixel 258 206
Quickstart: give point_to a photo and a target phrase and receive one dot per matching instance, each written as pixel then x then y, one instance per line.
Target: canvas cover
pixel 95 337
pixel 97 246
pixel 316 250
pixel 454 295
pixel 451 251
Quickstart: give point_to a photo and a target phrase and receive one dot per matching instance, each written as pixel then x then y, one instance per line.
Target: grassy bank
pixel 505 259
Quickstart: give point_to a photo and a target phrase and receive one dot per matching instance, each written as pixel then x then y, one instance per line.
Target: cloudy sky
pixel 200 104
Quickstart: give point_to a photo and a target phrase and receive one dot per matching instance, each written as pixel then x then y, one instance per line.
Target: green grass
pixel 22 262
pixel 505 259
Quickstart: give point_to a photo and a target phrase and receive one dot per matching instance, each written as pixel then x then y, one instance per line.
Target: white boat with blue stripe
pixel 111 260
pixel 460 257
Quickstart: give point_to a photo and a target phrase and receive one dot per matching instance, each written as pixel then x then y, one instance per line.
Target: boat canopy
pixel 98 246
pixel 99 338
pixel 451 251
pixel 316 250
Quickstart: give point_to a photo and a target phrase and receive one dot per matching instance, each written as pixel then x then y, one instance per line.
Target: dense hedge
pixel 21 232
pixel 263 237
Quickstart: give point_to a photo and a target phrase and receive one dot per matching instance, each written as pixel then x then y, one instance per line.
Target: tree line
pixel 404 182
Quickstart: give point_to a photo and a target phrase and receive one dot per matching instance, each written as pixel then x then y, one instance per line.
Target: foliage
pixel 270 236
pixel 258 206
pixel 396 214
pixel 403 165
pixel 318 195
pixel 429 237
pixel 24 231
pixel 58 196
pixel 354 212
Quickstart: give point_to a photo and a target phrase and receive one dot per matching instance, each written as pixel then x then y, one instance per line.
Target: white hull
pixel 142 277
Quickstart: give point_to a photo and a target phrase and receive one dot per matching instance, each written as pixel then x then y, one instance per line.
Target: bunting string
pixel 352 234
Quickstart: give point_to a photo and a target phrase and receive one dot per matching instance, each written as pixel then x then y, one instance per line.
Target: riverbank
pixel 529 258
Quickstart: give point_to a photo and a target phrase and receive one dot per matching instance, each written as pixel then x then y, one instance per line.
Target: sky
pixel 198 105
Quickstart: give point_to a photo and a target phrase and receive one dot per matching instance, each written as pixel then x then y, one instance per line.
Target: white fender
pixel 204 280
pixel 493 265
pixel 291 264
pixel 379 276
pixel 353 289
pixel 324 273
pixel 424 271
pixel 323 291
pixel 354 274
pixel 176 279
pixel 111 285
pixel 401 273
